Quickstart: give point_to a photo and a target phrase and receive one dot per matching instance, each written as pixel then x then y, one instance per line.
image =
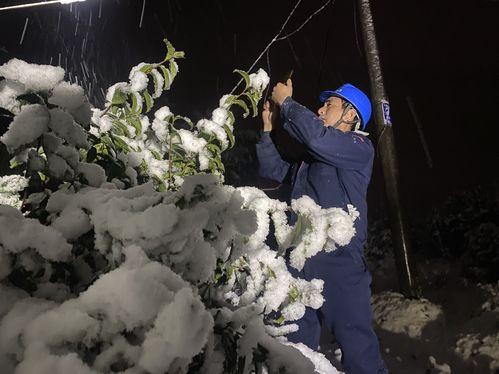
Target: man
pixel 335 171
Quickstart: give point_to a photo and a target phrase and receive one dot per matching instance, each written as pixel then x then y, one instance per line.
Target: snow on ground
pixel 395 313
pixel 454 330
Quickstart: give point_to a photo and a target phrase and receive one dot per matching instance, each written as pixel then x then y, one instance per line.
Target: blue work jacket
pixel 336 170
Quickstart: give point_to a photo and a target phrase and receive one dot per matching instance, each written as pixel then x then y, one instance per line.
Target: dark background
pixel 444 55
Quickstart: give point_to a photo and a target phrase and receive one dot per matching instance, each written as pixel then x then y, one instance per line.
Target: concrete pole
pixel 386 148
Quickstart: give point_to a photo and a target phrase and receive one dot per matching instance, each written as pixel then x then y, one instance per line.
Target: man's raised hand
pixel 282 91
pixel 267 117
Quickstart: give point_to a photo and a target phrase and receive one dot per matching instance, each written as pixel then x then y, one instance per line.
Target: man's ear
pixel 350 115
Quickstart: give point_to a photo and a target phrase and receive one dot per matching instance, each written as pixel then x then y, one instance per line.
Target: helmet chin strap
pixel 340 121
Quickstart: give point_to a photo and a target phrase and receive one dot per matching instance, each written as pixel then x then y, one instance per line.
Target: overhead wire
pixel 278 38
pixel 306 21
pixel 271 42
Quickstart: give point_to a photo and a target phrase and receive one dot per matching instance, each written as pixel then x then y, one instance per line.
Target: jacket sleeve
pixel 271 165
pixel 346 150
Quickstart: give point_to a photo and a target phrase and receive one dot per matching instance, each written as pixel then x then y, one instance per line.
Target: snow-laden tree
pixel 121 250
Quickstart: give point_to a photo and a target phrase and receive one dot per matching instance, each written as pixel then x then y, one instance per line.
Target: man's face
pixel 331 113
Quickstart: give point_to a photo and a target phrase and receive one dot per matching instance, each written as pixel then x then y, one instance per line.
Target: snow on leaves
pixel 133 259
pixel 19 234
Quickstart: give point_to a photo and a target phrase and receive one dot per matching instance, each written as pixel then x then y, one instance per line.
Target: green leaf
pixel 212 165
pixel 120 143
pixel 218 162
pixel 156 155
pixel 135 104
pixel 179 151
pixel 179 54
pixel 14 163
pixel 185 119
pixel 245 77
pixel 230 271
pixel 293 293
pixel 126 112
pixel 280 320
pixel 243 105
pixel 135 122
pixel 122 127
pixel 230 100
pixel 230 135
pixel 99 147
pixel 217 277
pixel 166 76
pixel 298 228
pixel 146 68
pixel 179 163
pixel 271 273
pixel 254 104
pixel 149 101
pixel 159 183
pixel 143 166
pixel 231 119
pixel 173 69
pixel 206 136
pixel 119 97
pixel 213 148
pixel 156 85
pixel 170 50
pixel 42 176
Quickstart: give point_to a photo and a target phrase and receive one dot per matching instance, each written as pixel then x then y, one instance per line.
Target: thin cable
pixel 277 38
pixel 269 73
pixel 306 21
pixel 268 45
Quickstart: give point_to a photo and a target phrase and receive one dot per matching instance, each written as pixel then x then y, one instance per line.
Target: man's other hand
pixel 282 91
pixel 267 117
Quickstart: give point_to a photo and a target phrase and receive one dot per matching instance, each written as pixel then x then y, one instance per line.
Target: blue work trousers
pixel 346 310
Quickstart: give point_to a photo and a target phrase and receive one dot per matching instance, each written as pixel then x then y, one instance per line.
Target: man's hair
pixel 345 105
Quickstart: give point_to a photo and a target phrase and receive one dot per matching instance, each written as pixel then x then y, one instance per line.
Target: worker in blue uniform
pixel 335 171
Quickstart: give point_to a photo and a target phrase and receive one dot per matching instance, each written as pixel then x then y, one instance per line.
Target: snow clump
pixel 9 91
pixel 394 313
pixel 19 234
pixel 27 126
pixel 34 77
pixel 10 186
pixel 474 345
pixel 259 80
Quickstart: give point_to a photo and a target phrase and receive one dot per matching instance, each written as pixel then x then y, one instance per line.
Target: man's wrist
pixel 282 101
pixel 284 106
pixel 267 127
pixel 265 136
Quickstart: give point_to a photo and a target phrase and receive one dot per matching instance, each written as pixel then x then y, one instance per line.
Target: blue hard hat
pixel 354 96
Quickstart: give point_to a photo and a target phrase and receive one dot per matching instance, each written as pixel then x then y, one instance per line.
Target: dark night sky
pixel 443 54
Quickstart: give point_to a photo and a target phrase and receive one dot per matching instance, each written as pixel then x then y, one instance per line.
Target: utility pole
pixel 389 162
